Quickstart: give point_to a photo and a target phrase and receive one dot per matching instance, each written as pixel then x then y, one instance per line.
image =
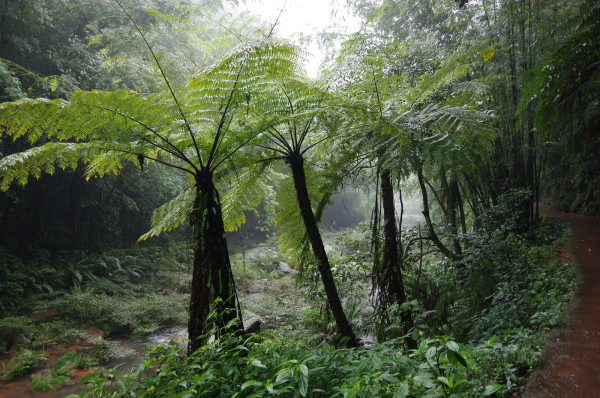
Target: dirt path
pixel 572 354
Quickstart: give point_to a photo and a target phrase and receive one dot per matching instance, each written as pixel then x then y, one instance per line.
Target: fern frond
pixel 19 167
pixel 171 214
pixel 244 193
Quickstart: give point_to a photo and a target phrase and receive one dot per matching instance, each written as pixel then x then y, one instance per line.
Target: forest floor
pixel 292 310
pixel 571 357
pixel 267 287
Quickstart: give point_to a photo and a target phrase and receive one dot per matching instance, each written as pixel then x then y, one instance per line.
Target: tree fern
pixel 198 129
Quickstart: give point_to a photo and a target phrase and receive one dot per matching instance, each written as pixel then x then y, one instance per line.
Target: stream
pixel 136 349
pixel 571 357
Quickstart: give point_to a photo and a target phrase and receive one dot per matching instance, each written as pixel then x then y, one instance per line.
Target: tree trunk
pixel 390 275
pixel 432 234
pixel 296 163
pixel 212 280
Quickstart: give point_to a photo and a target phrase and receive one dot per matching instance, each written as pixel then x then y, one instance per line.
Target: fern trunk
pixel 390 276
pixel 212 280
pixel 296 163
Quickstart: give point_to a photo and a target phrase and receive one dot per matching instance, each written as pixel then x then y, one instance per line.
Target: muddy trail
pixel 571 357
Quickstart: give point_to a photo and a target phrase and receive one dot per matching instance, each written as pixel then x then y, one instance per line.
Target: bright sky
pixel 308 17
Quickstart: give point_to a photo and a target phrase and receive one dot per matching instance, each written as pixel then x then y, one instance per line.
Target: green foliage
pixel 11 328
pixel 81 361
pixel 125 314
pixel 10 87
pixel 14 279
pixel 111 273
pixel 563 89
pixel 41 384
pixel 106 350
pixel 59 374
pixel 22 364
pixel 500 285
pixel 280 365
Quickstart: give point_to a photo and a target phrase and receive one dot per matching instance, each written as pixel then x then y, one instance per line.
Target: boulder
pixel 180 338
pixel 285 268
pixel 22 339
pixel 94 333
pixel 42 374
pixel 251 322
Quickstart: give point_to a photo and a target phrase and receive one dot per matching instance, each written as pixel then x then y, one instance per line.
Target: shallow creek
pixel 571 356
pixel 136 349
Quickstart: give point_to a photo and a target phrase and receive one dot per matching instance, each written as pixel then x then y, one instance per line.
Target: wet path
pixel 572 354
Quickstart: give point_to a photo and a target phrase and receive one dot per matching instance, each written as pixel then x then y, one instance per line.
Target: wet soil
pixel 134 351
pixel 571 357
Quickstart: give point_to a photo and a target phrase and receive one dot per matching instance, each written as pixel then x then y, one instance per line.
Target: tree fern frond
pixel 171 214
pixel 19 167
pixel 31 117
pixel 244 193
pixel 290 228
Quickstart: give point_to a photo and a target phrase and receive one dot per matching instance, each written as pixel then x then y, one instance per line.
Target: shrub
pixel 11 328
pixel 22 364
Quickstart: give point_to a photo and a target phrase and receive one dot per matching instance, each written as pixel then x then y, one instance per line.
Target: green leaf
pixel 444 381
pixel 53 83
pixel 251 383
pixel 430 353
pixel 303 369
pixel 403 391
pixel 303 385
pixel 491 389
pixel 350 394
pixel 283 375
pixel 455 358
pixel 452 346
pixel 258 364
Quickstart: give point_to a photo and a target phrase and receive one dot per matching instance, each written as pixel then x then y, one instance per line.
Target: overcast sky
pixel 306 17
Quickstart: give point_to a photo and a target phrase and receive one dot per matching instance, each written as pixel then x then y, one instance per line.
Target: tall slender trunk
pixel 459 200
pixel 453 205
pixel 212 280
pixel 296 163
pixel 390 276
pixel 432 234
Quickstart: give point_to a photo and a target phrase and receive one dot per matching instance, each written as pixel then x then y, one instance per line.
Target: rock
pixel 22 339
pixel 285 268
pixel 180 338
pixel 251 325
pixel 42 374
pixel 251 322
pixel 94 333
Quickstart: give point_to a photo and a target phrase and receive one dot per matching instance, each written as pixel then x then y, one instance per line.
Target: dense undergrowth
pixel 76 297
pixel 481 323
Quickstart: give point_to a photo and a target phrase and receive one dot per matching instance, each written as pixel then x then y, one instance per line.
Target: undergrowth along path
pixel 571 357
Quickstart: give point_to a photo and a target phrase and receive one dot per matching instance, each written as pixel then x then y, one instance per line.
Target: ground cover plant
pixel 483 338
pixel 119 293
